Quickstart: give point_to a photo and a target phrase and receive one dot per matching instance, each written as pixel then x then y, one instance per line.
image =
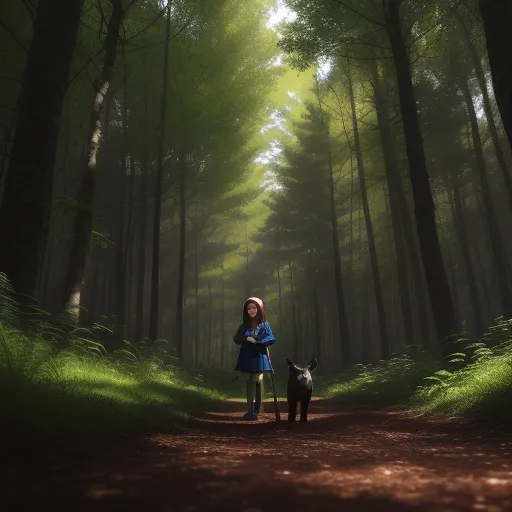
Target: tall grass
pixel 80 390
pixel 477 381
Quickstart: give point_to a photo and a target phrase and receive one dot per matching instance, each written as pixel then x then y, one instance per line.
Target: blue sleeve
pixel 266 337
pixel 239 338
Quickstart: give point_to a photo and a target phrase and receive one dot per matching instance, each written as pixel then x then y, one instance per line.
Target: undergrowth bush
pixel 476 381
pixel 81 390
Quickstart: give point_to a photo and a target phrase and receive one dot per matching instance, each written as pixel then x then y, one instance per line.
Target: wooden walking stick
pixel 276 405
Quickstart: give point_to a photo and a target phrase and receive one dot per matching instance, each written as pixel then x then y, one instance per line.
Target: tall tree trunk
pixel 197 323
pixel 381 315
pixel 222 339
pixel 82 229
pixel 497 20
pixel 122 245
pixel 181 269
pixel 280 295
pixel 460 228
pixel 505 171
pixel 316 314
pixel 155 264
pixel 497 248
pixel 247 281
pixel 294 312
pixel 343 329
pixel 418 271
pixel 437 281
pixel 210 320
pixel 25 207
pixel 391 166
pixel 140 331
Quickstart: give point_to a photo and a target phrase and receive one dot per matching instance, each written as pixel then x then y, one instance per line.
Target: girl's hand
pixel 251 339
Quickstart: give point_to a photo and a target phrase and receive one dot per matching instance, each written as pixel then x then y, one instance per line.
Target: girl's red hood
pixel 260 304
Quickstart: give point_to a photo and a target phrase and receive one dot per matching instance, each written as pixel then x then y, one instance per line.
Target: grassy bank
pixel 476 382
pixel 83 392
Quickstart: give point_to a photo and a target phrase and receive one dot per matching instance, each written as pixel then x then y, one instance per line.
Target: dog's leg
pixel 292 410
pixel 304 406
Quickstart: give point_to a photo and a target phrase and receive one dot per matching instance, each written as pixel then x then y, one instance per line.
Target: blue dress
pixel 252 357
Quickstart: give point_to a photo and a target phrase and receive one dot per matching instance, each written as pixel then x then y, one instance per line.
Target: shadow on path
pixel 346 458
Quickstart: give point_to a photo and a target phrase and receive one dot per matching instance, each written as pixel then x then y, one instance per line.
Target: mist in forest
pixel 348 162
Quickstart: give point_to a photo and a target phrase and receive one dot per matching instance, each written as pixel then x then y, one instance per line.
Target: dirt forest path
pixel 345 458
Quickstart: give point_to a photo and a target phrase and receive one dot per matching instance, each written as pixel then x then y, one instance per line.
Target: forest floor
pixel 345 458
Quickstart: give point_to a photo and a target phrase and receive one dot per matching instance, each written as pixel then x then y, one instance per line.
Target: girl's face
pixel 252 310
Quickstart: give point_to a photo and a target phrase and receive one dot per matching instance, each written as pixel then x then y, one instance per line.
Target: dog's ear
pixel 289 362
pixel 312 364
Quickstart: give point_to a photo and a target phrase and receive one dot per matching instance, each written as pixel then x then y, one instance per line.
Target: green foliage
pixel 481 387
pixel 388 382
pixel 82 391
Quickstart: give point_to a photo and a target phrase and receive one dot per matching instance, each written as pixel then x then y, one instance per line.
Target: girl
pixel 253 336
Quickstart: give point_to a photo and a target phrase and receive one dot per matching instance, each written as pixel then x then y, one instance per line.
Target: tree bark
pixel 25 208
pixel 82 230
pixel 440 295
pixel 155 264
pixel 182 261
pixel 374 263
pixel 497 20
pixel 343 333
pixel 460 228
pixel 391 166
pixel 497 248
pixel 479 72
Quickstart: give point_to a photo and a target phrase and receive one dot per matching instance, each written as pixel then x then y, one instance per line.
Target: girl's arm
pixel 266 337
pixel 239 338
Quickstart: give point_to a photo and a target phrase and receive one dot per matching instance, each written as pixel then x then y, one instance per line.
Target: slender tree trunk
pixel 460 228
pixel 440 295
pixel 479 72
pixel 294 315
pixel 280 295
pixel 343 333
pixel 418 272
pixel 82 230
pixel 25 207
pixel 381 314
pixel 121 247
pixel 497 248
pixel 181 271
pixel 247 281
pixel 196 337
pixel 497 20
pixel 155 264
pixel 222 339
pixel 317 334
pixel 210 320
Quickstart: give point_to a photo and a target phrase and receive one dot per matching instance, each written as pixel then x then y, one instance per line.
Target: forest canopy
pixel 349 162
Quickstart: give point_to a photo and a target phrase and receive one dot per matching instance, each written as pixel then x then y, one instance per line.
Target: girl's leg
pixel 257 404
pixel 249 392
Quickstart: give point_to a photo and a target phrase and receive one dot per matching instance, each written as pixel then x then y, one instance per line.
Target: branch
pixel 86 64
pixel 161 42
pixel 10 79
pixel 472 12
pixel 29 8
pixel 367 18
pixel 8 30
pixel 437 22
pixel 158 16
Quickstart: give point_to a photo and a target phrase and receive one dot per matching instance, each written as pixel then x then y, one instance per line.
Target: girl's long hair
pixel 247 318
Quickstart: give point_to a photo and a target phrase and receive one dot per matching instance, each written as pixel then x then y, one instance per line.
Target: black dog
pixel 300 389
